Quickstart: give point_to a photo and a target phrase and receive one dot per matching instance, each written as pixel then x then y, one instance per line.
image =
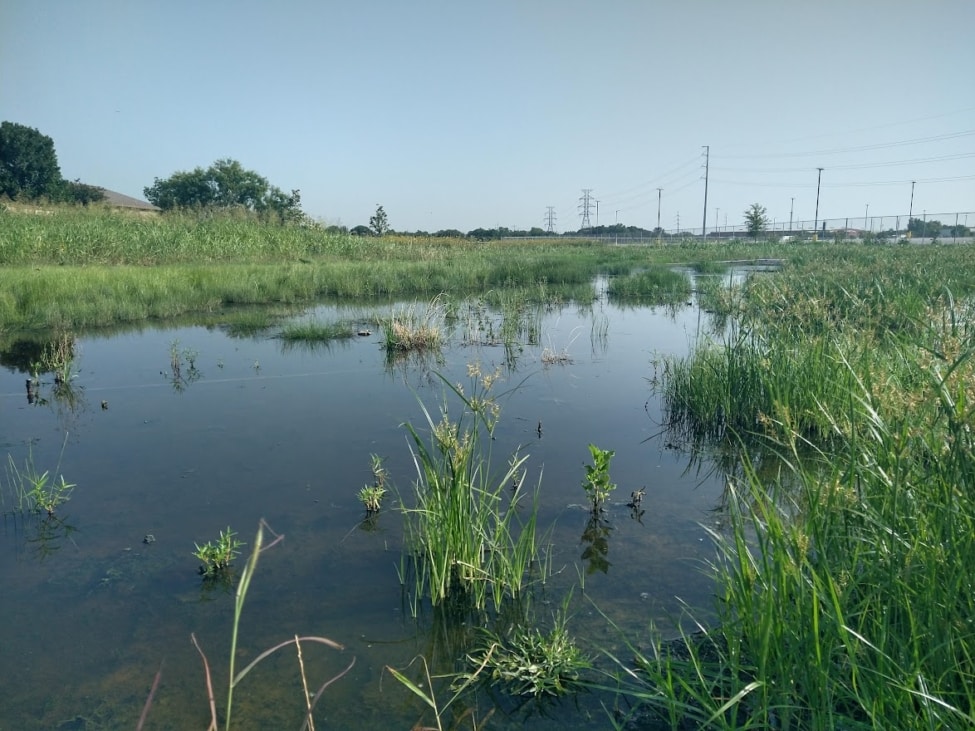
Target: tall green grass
pixel 845 587
pixel 467 539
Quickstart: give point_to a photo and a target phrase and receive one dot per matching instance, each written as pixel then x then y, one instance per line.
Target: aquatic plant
pixel 371 496
pixel 35 491
pixel 529 662
pixel 414 329
pixel 216 556
pixel 597 483
pixel 464 534
pixel 316 332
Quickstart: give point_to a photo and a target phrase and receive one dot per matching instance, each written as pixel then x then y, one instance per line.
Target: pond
pixel 103 595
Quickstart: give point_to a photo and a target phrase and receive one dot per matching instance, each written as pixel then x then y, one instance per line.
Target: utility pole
pixel 597 213
pixel 716 211
pixel 550 219
pixel 865 213
pixel 791 206
pixel 816 222
pixel 678 223
pixel 658 214
pixel 910 210
pixel 707 159
pixel 584 206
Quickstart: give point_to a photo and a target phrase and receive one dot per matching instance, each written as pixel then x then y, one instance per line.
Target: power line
pixel 860 148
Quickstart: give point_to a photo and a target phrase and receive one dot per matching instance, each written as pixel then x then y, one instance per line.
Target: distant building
pixel 119 200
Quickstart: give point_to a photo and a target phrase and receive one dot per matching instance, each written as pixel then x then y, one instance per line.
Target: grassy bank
pixel 76 268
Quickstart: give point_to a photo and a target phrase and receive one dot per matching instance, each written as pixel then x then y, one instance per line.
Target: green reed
pixel 465 534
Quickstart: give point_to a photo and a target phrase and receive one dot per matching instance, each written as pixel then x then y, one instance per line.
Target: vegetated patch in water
pixel 203 432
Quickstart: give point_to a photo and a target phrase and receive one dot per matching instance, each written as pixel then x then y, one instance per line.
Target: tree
pixel 361 230
pixel 379 223
pixel 756 220
pixel 74 191
pixel 225 184
pixel 28 163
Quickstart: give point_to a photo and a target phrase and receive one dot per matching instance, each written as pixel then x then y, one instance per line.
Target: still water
pixel 98 599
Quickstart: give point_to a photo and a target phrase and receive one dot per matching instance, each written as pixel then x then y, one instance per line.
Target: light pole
pixel 816 220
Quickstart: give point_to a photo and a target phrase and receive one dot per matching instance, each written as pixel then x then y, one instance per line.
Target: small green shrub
pixel 217 556
pixel 597 483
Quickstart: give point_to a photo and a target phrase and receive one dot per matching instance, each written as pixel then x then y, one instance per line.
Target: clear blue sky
pixel 460 114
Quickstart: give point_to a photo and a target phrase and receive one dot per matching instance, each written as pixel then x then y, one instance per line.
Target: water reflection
pixel 595 539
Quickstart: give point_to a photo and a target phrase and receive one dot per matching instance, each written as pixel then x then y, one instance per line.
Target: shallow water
pixel 90 612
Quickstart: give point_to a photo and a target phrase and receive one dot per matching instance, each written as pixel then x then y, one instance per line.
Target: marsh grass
pixel 465 535
pixel 31 491
pixel 527 661
pixel 655 286
pixel 415 328
pixel 316 332
pixel 846 598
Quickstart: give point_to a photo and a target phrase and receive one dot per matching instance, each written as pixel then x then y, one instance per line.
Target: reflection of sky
pixel 286 434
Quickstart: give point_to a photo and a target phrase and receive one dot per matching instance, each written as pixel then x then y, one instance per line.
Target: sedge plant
pixel 465 534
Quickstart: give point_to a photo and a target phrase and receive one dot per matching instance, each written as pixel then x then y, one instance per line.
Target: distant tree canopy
pixel 934 229
pixel 29 168
pixel 225 184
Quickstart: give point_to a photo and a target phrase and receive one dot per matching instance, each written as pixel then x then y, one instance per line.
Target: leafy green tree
pixel 74 191
pixel 449 233
pixel 28 163
pixel 378 222
pixel 756 219
pixel 361 231
pixel 225 184
pixel 924 229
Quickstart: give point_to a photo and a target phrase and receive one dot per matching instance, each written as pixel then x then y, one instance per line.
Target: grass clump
pixel 530 662
pixel 316 332
pixel 658 285
pixel 464 535
pixel 31 491
pixel 414 329
pixel 217 556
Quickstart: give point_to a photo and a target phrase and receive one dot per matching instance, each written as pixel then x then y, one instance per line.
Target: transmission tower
pixel 585 205
pixel 550 219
